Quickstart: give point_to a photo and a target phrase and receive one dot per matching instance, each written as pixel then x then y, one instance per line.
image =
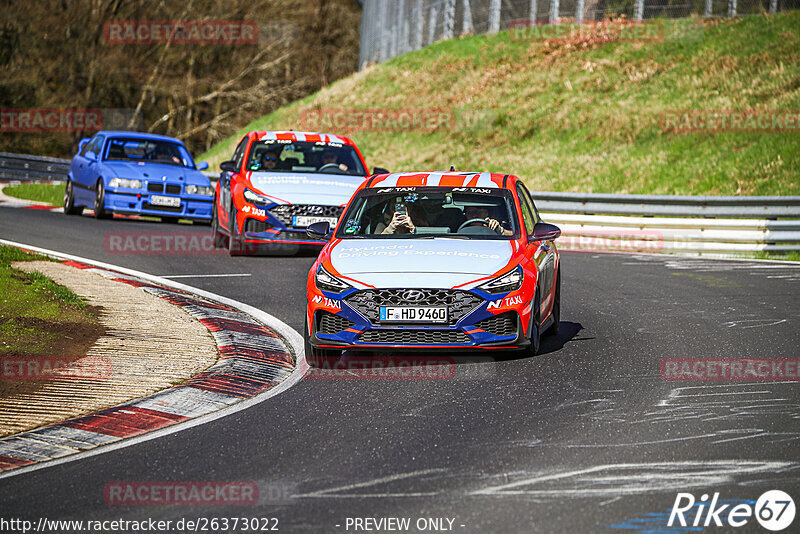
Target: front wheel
pixel 69 201
pixel 535 333
pixel 317 357
pixel 553 330
pixel 219 237
pixel 100 202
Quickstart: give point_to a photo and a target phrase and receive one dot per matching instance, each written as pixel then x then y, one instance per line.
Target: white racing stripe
pixel 294 339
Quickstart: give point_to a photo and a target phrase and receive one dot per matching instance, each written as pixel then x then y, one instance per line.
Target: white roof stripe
pixel 434 179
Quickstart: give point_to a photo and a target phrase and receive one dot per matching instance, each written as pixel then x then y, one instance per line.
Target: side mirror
pixel 203 165
pixel 82 142
pixel 229 166
pixel 545 232
pixel 319 230
pixel 379 170
pixel 90 156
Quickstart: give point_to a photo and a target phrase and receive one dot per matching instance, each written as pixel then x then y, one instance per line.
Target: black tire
pixel 169 220
pixel 536 333
pixel 235 243
pixel 317 357
pixel 100 211
pixel 69 201
pixel 220 240
pixel 553 330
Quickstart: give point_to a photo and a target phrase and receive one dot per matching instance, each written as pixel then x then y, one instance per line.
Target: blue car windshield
pixel 148 150
pixel 425 212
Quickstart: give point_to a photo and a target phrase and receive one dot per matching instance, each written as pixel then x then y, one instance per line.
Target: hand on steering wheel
pixel 329 165
pixel 486 222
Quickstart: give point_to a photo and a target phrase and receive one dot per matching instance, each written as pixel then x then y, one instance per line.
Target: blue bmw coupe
pixel 137 173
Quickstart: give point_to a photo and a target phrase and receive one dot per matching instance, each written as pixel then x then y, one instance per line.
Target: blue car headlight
pixel 255 198
pixel 125 182
pixel 199 190
pixel 511 281
pixel 328 282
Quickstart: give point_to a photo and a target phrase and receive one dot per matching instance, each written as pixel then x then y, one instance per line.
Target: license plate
pixel 413 314
pixel 304 221
pixel 173 202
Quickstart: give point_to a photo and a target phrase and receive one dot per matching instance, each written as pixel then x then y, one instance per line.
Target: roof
pixel 139 135
pixel 313 137
pixel 440 179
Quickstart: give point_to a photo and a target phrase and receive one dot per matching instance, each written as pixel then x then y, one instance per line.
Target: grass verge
pixel 52 194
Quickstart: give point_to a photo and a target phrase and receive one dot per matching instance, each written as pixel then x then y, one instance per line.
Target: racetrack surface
pixel 582 437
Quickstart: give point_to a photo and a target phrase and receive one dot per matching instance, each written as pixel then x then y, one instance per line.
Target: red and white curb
pixel 260 356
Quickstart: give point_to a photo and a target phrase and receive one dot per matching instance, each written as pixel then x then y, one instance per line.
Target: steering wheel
pixel 466 223
pixel 327 165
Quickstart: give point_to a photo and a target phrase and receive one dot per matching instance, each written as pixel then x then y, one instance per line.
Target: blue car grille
pixel 157 187
pixel 459 303
pixel 415 337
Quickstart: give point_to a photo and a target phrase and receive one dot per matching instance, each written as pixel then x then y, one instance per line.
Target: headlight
pixel 254 198
pixel 124 182
pixel 328 282
pixel 199 190
pixel 511 281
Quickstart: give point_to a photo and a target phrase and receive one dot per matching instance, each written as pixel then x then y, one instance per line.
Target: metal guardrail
pixel 37 168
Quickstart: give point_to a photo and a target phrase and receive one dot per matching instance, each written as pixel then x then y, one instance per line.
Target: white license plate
pixel 174 202
pixel 414 314
pixel 304 221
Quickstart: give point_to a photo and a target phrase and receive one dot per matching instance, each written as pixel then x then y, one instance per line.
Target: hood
pixel 437 262
pixel 296 188
pixel 156 171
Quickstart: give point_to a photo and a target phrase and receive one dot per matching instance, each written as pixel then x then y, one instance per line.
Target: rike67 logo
pixel 774 511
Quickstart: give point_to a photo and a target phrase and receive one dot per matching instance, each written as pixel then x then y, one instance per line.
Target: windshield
pixel 150 150
pixel 417 212
pixel 304 157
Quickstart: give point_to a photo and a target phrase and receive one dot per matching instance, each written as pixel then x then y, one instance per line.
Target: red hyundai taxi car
pixel 278 183
pixel 434 260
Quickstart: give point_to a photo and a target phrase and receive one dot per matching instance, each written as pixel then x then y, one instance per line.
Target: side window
pixel 536 217
pixel 527 213
pixel 99 141
pixel 87 146
pixel 238 154
pixel 94 145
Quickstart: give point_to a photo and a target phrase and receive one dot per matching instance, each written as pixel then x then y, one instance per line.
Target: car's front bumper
pixel 139 203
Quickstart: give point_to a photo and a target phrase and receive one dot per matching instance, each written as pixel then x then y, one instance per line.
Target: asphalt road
pixel 584 437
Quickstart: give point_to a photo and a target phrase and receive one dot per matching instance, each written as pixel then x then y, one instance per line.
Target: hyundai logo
pixel 413 295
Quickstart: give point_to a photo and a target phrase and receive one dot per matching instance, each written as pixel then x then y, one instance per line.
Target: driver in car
pixel 329 157
pixel 482 212
pixel 269 161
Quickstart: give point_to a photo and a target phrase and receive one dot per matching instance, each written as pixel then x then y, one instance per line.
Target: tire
pixel 553 330
pixel 219 238
pixel 317 357
pixel 536 334
pixel 100 211
pixel 235 243
pixel 69 201
pixel 169 220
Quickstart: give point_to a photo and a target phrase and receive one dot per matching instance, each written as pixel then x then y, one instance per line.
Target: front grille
pixel 504 324
pixel 173 189
pixel 148 206
pixel 285 212
pixel 254 226
pixel 155 187
pixel 414 337
pixel 333 324
pixel 459 303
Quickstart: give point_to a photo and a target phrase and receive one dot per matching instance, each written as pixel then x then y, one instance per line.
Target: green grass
pixel 585 118
pixel 34 310
pixel 52 194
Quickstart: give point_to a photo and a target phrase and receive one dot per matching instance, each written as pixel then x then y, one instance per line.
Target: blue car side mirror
pixel 203 165
pixel 90 155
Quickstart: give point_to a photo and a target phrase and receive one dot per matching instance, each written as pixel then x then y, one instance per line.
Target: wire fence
pixel 393 27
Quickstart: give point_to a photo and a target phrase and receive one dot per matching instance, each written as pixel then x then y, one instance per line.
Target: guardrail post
pixel 466 23
pixel 638 10
pixel 554 6
pixel 731 8
pixel 449 19
pixel 494 16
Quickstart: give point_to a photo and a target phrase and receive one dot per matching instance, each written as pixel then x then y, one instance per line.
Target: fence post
pixel 420 25
pixel 494 16
pixel 449 19
pixel 638 10
pixel 773 6
pixel 554 11
pixel 731 8
pixel 466 23
pixel 432 24
pixel 579 12
pixel 533 12
pixel 709 8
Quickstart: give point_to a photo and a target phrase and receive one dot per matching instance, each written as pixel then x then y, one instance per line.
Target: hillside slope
pixel 582 116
